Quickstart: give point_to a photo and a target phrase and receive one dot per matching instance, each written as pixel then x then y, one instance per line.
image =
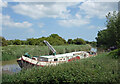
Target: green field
pixel 15 51
pixel 101 68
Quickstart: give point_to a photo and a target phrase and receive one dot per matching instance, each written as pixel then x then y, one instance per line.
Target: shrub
pixel 94 69
pixel 115 53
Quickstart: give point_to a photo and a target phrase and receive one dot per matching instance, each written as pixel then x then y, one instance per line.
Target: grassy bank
pixel 101 68
pixel 9 62
pixel 15 51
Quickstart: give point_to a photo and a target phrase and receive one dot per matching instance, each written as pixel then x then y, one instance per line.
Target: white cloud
pixel 99 9
pixel 49 0
pixel 7 21
pixel 65 0
pixel 74 21
pixel 40 10
pixel 3 3
pixel 54 10
pixel 59 10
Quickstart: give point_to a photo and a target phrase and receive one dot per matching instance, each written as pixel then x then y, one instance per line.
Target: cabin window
pixel 55 59
pixel 60 59
pixel 85 55
pixel 43 59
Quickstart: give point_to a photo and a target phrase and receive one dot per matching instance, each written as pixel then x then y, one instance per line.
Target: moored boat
pixel 28 61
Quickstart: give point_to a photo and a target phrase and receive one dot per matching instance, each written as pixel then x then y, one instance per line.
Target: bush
pixel 94 69
pixel 114 54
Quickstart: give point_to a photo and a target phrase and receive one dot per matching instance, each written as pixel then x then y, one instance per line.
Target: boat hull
pixel 26 62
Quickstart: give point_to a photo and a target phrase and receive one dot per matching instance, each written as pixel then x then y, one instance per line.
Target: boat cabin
pixel 51 58
pixel 63 57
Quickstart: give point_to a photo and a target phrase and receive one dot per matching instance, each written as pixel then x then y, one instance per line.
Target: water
pixel 10 67
pixel 94 49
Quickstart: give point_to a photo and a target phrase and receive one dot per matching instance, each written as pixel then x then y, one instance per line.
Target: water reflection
pixel 13 68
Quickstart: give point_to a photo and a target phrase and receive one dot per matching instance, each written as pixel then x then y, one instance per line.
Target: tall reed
pixel 15 51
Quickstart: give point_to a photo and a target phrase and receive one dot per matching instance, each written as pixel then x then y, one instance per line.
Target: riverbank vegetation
pixel 110 37
pixel 15 51
pixel 101 68
pixel 115 54
pixel 53 39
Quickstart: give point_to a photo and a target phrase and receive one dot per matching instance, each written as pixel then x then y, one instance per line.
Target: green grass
pixel 15 51
pixel 101 68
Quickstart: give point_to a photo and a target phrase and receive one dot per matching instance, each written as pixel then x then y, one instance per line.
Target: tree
pixel 102 39
pixel 110 36
pixel 54 35
pixel 3 41
pixel 17 42
pixel 87 42
pixel 31 41
pixel 70 41
pixel 55 39
pixel 10 42
pixel 93 43
pixel 24 42
pixel 79 41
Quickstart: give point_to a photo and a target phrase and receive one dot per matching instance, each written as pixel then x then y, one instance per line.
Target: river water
pixel 94 49
pixel 11 66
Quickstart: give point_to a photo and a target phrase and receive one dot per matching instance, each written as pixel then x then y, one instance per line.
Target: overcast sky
pixel 22 20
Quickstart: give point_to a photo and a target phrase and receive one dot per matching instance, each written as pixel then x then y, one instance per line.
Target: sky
pixel 70 20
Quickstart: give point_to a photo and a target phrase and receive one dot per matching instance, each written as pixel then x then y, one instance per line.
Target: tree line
pixel 110 37
pixel 53 39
